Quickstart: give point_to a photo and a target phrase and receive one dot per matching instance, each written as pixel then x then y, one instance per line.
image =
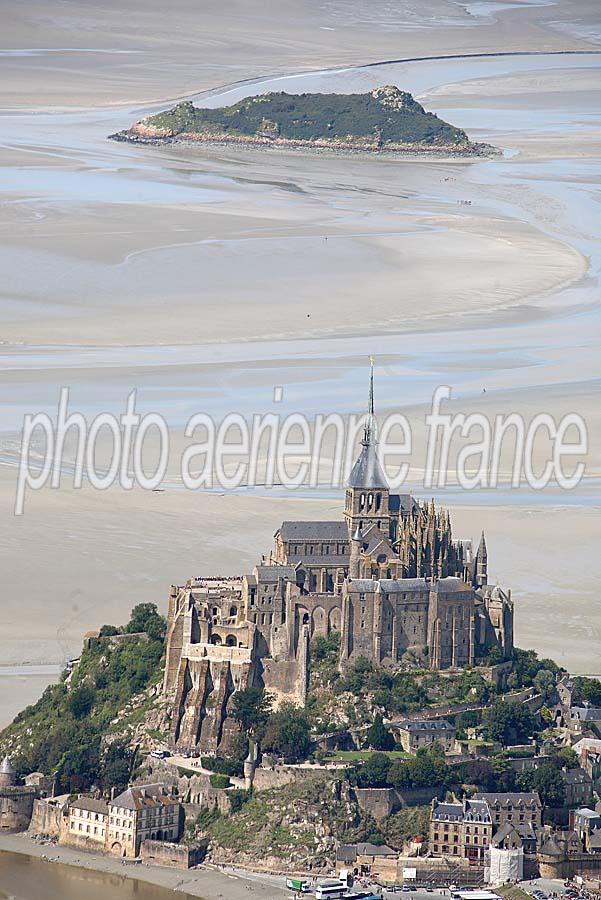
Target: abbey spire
pixel 367 487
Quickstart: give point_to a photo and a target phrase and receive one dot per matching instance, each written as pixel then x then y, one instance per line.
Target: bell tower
pixel 367 490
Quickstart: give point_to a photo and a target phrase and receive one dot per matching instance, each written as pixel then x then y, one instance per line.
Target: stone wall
pixel 383 802
pixel 177 856
pixel 16 807
pixel 47 818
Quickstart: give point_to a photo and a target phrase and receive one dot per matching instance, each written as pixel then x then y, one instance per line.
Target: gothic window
pixel 370 501
pixel 378 501
pixel 361 501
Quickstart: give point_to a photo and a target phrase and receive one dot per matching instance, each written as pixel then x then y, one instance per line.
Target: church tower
pixel 367 490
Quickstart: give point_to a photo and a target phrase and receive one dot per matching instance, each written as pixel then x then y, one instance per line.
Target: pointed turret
pixel 481 564
pixel 8 774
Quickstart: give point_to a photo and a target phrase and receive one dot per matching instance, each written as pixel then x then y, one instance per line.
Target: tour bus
pixel 331 890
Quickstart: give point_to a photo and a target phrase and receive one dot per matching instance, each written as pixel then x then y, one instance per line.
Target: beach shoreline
pixel 205 882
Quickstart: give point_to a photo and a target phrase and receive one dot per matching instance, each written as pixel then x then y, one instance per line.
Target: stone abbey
pixel 388 576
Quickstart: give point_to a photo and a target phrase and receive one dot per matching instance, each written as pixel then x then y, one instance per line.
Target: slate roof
pixel 346 853
pixel 448 812
pixel 146 796
pixel 551 848
pixel 587 813
pixel 271 574
pixel 400 585
pixel 504 832
pixel 367 472
pixel 367 849
pixel 404 502
pixel 362 585
pixel 595 839
pixel 449 585
pixel 527 798
pixel 90 804
pixel 586 713
pixel 314 531
pixel 477 809
pixel 576 776
pixel 423 725
pixel 7 767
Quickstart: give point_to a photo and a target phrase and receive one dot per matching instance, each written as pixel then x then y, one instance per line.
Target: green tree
pixel 146 617
pixel 565 757
pixel 544 682
pixel 374 771
pixel 509 722
pixel 251 708
pixel 108 631
pixel 116 766
pixel 81 701
pixel 588 689
pixel 378 736
pixel 547 780
pixel 287 733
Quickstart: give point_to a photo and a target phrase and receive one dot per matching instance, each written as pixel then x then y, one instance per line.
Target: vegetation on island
pixel 78 728
pixel 83 730
pixel 385 118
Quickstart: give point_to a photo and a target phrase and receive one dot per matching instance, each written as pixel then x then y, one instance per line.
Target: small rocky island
pixel 385 119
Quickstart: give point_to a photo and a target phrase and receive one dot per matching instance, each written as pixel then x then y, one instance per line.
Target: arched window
pixel 230 641
pixel 216 639
pixel 378 501
pixel 233 611
pixel 361 501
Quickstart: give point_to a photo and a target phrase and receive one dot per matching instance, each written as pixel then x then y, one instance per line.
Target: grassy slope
pixel 310 117
pixel 63 731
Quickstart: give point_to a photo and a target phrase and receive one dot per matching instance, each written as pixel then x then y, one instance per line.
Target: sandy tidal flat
pixel 206 277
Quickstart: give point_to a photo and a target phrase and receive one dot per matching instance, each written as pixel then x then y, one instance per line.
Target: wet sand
pixel 204 278
pixel 72 872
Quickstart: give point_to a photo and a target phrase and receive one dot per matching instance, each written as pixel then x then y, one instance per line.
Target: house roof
pixel 367 849
pixel 346 853
pixel 144 796
pixel 477 809
pixel 450 812
pixel 586 713
pixel 576 776
pixel 504 832
pixel 526 798
pixel 92 805
pixel 418 726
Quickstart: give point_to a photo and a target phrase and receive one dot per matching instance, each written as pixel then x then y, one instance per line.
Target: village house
pixel 514 808
pixel 578 786
pixel 461 828
pixel 149 811
pixel 87 822
pixel 364 859
pixel 416 733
